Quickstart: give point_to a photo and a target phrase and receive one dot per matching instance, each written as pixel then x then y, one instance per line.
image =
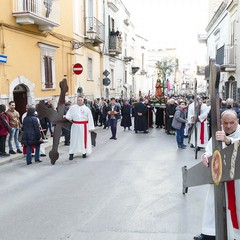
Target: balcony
pixel 115 45
pixel 45 13
pixel 93 25
pixel 229 64
pixel 202 38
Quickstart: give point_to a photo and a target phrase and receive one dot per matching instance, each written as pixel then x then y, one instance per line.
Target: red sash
pixel 232 203
pixel 85 131
pixel 202 132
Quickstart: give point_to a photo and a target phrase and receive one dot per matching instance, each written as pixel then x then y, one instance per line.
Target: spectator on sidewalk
pixel 14 123
pixel 47 120
pixel 66 133
pixel 32 135
pixel 178 123
pixel 42 147
pixel 4 129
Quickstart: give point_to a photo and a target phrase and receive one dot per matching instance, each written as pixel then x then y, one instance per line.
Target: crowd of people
pixel 179 116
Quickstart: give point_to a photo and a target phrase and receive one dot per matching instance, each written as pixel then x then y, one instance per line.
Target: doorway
pixel 20 99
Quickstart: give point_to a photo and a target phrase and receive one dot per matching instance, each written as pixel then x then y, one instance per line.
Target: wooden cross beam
pixel 223 168
pixel 221 162
pixel 56 118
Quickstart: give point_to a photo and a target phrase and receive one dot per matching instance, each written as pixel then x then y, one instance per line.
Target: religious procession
pixel 186 118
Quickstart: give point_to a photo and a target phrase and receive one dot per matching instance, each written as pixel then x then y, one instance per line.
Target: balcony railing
pixel 92 24
pixel 229 63
pixel 115 45
pixel 230 55
pixel 44 13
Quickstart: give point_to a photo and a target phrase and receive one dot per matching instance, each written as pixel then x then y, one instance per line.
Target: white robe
pixel 208 223
pixel 80 113
pixel 202 118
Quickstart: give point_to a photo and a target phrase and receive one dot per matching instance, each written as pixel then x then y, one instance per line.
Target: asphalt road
pixel 128 189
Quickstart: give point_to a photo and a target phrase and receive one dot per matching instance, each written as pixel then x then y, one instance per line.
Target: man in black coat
pixel 140 116
pixel 126 115
pixel 113 111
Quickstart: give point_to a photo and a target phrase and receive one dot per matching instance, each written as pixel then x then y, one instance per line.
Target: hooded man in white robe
pixel 82 124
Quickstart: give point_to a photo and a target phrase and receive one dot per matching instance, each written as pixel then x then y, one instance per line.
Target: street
pixel 129 189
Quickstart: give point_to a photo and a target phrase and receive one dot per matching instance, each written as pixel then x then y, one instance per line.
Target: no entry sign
pixel 77 68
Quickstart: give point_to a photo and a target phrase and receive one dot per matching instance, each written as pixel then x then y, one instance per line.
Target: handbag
pixel 93 138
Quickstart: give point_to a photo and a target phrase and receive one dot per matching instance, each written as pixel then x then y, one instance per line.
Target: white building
pixel 223 34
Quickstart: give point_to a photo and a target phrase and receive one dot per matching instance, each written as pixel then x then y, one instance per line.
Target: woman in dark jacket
pixel 178 123
pixel 4 130
pixel 31 135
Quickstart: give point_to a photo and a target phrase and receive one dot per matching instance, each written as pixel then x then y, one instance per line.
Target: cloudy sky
pixel 171 23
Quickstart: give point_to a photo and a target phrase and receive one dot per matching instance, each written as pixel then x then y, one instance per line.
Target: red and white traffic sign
pixel 77 68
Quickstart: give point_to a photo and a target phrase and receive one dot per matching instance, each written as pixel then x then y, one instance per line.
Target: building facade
pixel 42 40
pixel 223 35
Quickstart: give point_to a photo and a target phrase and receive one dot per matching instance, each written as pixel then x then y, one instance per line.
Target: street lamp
pixel 91 34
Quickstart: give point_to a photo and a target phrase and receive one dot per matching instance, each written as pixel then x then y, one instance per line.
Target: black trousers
pixel 3 144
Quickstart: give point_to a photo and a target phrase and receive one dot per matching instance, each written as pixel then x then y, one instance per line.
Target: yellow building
pixel 42 40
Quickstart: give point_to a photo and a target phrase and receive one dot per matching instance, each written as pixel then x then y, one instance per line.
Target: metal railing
pixel 230 55
pixel 46 9
pixel 115 44
pixel 92 24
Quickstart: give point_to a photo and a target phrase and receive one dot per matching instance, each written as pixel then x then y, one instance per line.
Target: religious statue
pixel 158 88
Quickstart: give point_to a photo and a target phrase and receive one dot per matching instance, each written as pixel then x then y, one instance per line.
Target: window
pixel 125 78
pixel 90 69
pixel 47 66
pixel 77 14
pixel 232 37
pixel 48 71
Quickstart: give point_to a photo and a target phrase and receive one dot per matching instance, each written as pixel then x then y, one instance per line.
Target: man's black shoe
pixel 19 151
pixel 204 237
pixel 70 156
pixel 66 144
pixel 12 152
pixel 84 155
pixel 37 161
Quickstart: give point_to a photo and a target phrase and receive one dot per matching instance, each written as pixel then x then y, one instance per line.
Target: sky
pixel 170 23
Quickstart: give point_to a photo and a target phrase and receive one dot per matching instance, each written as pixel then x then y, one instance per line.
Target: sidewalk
pixel 17 156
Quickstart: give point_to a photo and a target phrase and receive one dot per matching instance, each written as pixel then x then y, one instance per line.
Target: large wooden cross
pixel 56 118
pixel 223 164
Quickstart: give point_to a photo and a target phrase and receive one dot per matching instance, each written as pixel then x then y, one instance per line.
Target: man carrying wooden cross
pixel 229 135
